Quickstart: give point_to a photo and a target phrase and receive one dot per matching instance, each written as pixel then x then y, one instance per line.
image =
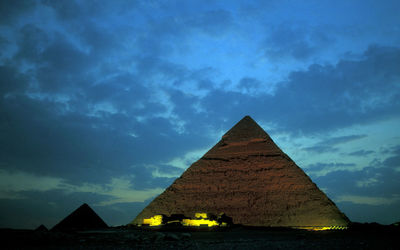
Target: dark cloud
pixel 322 98
pixel 43 138
pixel 76 10
pixel 321 166
pixel 381 178
pixel 226 108
pixel 342 139
pixel 249 85
pixel 352 92
pixel 64 68
pixel 214 22
pixel 144 177
pixel 393 161
pixel 366 195
pixel 12 81
pixel 11 10
pixel 361 152
pixel 298 42
pixel 328 145
pixel 321 149
pixel 33 41
pixel 81 123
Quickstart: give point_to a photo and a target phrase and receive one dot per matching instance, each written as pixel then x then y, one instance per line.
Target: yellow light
pixel 200 215
pixel 201 220
pixel 323 228
pixel 156 220
pixel 320 228
pixel 198 223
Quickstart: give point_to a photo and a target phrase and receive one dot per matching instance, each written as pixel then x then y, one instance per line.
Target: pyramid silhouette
pixel 41 228
pixel 247 177
pixel 83 218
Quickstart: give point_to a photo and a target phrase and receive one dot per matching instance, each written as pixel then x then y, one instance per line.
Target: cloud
pixel 342 139
pixel 248 85
pixel 14 185
pixel 322 98
pixel 121 191
pixel 328 144
pixel 50 137
pixel 12 81
pixel 361 152
pixel 187 159
pixel 367 200
pixel 214 22
pixel 322 169
pixel 11 10
pixel 328 97
pixel 377 179
pixel 149 176
pixel 367 182
pixel 392 162
pixel 296 41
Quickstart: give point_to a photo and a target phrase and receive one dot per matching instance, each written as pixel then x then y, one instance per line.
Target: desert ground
pixel 372 237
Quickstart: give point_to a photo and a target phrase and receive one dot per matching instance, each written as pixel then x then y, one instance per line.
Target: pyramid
pixel 249 178
pixel 82 218
pixel 41 228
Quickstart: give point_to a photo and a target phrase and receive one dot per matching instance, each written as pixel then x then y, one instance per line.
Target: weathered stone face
pixel 247 177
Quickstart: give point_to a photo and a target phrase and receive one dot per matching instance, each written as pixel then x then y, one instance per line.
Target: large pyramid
pixel 247 177
pixel 82 218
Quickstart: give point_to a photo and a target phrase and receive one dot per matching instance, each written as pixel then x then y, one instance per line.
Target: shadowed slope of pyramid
pixel 247 177
pixel 82 218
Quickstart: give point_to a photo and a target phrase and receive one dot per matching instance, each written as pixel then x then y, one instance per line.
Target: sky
pixel 108 102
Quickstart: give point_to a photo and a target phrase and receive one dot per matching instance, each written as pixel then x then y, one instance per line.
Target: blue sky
pixel 107 102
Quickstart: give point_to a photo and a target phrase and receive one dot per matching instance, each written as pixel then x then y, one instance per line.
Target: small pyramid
pixel 247 177
pixel 41 228
pixel 83 218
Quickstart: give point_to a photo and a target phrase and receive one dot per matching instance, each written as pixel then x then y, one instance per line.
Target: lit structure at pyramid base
pixel 203 220
pixel 156 220
pixel 318 228
pixel 200 220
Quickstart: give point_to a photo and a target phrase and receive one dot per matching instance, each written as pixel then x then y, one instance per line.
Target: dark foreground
pixel 233 238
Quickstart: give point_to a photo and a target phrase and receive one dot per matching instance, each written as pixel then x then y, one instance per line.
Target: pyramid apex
pixel 84 206
pixel 42 228
pixel 247 118
pixel 245 129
